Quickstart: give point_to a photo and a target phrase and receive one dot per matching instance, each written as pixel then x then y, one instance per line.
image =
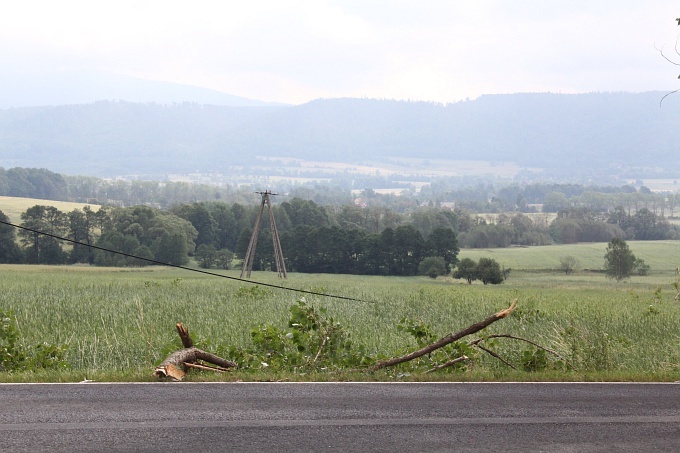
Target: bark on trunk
pixel 176 365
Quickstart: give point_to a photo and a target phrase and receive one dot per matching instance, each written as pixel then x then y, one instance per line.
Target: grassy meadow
pixel 119 323
pixel 662 256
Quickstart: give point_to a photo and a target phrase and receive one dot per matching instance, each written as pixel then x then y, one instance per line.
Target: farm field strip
pixel 123 319
pixel 13 207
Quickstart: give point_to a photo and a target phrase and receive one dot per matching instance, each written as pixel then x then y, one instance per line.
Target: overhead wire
pixel 202 271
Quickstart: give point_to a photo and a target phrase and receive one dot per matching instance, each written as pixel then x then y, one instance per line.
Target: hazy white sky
pixel 296 51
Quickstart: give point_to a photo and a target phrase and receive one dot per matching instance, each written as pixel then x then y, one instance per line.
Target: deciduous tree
pixel 466 269
pixel 619 261
pixel 489 271
pixel 9 250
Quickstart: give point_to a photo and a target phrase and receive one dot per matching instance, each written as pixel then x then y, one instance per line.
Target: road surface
pixel 394 417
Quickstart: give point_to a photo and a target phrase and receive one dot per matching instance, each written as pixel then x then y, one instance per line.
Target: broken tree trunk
pixel 450 338
pixel 176 365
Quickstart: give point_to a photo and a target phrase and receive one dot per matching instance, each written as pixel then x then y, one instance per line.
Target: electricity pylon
pixel 247 265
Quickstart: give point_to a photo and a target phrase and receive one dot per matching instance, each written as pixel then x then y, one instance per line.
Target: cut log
pixel 450 338
pixel 176 365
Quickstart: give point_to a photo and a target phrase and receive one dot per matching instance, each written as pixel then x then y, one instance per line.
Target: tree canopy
pixel 619 261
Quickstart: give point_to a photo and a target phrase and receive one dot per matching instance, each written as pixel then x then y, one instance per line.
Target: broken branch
pixel 183 333
pixel 512 337
pixel 450 338
pixel 449 363
pixel 494 354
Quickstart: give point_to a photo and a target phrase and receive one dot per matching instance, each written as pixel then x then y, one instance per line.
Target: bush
pixel 640 267
pixel 466 269
pixel 568 264
pixel 489 271
pixel 432 266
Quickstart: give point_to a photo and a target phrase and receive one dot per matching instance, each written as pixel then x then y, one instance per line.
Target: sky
pixel 296 51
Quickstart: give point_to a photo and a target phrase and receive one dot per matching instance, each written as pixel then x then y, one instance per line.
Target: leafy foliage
pixel 313 340
pixel 9 251
pixel 14 356
pixel 11 353
pixel 568 264
pixel 423 335
pixel 420 331
pixel 534 360
pixel 640 267
pixel 619 261
pixel 432 266
pixel 487 270
pixel 466 269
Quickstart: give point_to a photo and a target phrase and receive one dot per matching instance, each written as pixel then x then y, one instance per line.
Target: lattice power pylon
pixel 247 266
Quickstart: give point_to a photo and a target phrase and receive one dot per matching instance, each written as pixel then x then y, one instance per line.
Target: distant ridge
pixel 570 134
pixel 77 87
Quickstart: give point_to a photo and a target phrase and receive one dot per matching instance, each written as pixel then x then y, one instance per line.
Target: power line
pixel 315 293
pixel 247 265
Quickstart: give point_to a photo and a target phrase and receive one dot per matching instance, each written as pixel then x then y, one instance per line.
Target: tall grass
pixel 123 320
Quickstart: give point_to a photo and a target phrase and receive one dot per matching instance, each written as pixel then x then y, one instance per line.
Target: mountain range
pixel 84 87
pixel 592 133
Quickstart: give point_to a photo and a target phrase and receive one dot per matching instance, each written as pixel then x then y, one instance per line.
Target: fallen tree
pixel 177 364
pixel 450 338
pixel 316 342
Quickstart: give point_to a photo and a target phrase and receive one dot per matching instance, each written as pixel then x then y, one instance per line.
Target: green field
pixel 119 323
pixel 662 256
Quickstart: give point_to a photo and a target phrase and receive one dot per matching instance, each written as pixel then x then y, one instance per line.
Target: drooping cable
pixel 270 285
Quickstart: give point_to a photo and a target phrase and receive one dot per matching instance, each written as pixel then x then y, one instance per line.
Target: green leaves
pixel 15 356
pixel 534 360
pixel 619 261
pixel 423 335
pixel 420 331
pixel 11 353
pixel 314 340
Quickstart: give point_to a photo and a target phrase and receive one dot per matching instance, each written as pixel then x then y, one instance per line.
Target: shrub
pixel 489 271
pixel 432 266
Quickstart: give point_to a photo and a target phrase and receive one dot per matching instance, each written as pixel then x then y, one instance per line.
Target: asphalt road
pixel 340 417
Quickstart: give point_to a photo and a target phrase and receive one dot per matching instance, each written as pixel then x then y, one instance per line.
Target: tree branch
pixel 664 55
pixel 512 337
pixel 449 363
pixel 668 94
pixel 496 355
pixel 183 333
pixel 450 338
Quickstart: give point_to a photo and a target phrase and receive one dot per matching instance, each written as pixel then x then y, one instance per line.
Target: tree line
pixel 570 226
pixel 315 238
pixel 475 197
pixel 213 232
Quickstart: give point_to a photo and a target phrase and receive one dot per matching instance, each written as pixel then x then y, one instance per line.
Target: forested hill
pixel 533 130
